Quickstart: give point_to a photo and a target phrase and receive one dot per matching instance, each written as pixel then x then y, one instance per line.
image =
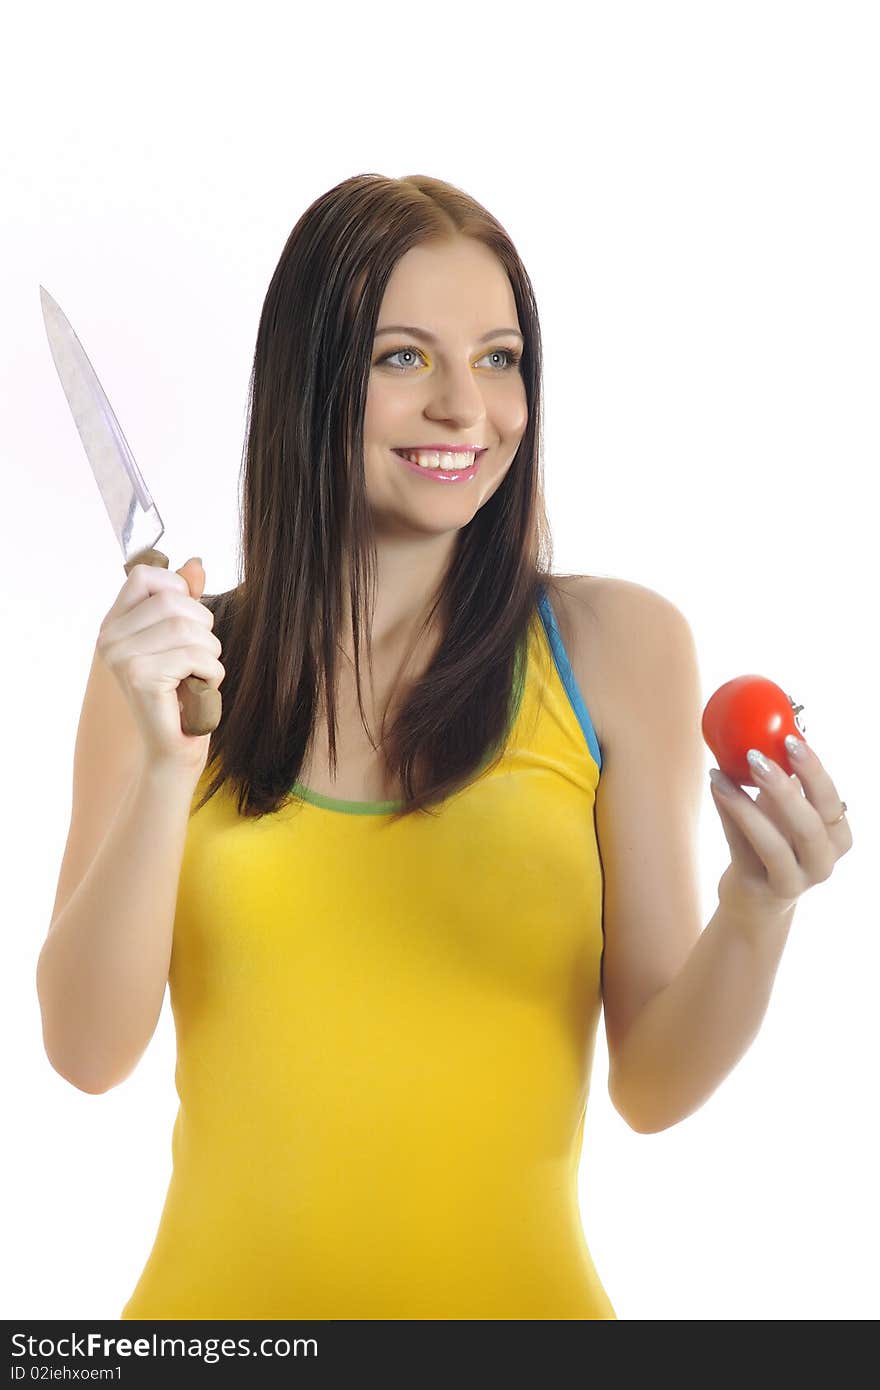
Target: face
pixel 465 387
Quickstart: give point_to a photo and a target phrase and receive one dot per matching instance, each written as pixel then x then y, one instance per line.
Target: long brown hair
pixel 305 508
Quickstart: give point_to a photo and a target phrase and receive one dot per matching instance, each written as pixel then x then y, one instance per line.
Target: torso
pixel 359 766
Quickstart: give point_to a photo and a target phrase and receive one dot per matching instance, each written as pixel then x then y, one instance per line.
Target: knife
pixel 136 523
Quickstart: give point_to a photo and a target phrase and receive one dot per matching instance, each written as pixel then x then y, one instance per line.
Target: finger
pixel 801 823
pixel 818 787
pixel 772 808
pixel 768 844
pixel 741 851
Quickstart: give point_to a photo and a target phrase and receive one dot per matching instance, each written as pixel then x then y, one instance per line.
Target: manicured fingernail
pixel 796 746
pixel 758 763
pixel 718 779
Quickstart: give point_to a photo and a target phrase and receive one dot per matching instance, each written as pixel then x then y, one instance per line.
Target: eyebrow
pixel 430 338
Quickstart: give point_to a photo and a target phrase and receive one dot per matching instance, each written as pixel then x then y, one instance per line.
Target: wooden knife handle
pixel 201 703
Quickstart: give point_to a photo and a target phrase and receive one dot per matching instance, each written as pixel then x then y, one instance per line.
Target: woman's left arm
pixel 691 1034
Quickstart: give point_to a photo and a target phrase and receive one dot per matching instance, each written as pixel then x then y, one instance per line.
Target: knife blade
pixel 133 515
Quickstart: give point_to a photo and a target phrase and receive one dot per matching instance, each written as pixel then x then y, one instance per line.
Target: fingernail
pixel 758 763
pixel 795 746
pixel 718 779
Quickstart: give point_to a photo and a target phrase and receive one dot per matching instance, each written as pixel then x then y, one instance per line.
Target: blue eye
pixel 512 357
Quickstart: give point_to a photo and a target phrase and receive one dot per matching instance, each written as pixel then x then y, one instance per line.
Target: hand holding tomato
pixel 749 712
pixel 788 837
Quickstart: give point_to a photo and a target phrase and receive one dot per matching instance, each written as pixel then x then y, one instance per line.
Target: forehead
pixel 444 284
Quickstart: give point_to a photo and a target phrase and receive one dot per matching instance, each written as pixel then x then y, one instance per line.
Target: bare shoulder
pixel 604 622
pixel 596 616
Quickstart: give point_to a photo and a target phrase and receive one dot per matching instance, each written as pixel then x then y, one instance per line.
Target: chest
pixel 360 772
pixel 360 768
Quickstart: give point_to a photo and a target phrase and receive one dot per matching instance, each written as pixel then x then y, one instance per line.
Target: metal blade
pixel 132 512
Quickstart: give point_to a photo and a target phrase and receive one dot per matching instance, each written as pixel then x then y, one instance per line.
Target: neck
pixel 408 576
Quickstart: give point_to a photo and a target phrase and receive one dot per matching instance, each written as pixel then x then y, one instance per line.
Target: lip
pixel 439 475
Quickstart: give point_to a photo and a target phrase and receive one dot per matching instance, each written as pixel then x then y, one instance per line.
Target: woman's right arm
pixel 102 972
pixel 103 968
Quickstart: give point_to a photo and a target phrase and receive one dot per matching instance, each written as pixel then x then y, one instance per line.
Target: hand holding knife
pixel 136 522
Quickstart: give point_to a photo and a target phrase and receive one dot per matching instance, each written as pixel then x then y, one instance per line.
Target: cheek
pixel 383 406
pixel 513 413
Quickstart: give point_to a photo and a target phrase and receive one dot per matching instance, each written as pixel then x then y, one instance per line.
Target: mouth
pixel 435 471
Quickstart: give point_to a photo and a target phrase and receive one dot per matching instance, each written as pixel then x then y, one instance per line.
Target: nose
pixel 454 394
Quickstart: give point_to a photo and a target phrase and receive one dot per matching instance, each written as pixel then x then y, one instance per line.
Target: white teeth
pixel 427 458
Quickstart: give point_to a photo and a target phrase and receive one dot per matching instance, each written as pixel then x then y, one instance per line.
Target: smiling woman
pixel 409 354
pixel 386 963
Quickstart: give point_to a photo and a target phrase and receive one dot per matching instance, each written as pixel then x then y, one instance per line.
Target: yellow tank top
pixel 385 1038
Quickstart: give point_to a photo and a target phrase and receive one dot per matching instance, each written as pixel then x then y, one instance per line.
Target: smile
pixel 440 467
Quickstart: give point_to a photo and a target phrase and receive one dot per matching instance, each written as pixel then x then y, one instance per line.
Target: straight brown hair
pixel 305 508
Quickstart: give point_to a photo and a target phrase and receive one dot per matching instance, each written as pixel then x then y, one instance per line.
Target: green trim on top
pixel 384 808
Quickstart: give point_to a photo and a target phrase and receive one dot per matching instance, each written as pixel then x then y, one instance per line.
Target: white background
pixel 693 189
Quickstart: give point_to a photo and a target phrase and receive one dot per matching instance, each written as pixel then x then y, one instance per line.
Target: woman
pixel 390 941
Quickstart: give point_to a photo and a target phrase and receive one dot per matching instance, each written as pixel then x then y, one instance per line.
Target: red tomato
pixel 749 712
